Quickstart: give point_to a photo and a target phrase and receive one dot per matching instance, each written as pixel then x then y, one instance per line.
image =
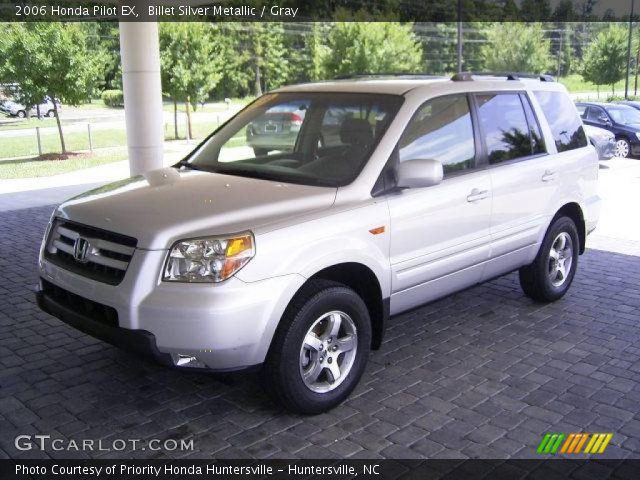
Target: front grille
pixel 88 308
pixel 88 251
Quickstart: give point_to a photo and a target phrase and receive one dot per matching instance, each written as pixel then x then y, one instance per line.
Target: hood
pixel 630 127
pixel 597 132
pixel 166 205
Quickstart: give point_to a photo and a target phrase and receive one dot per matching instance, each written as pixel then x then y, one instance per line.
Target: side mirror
pixel 419 173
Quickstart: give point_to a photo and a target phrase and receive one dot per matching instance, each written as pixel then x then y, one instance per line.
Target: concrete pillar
pixel 140 54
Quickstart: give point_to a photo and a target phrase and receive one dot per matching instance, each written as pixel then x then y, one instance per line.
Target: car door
pixel 526 180
pixel 597 117
pixel 440 234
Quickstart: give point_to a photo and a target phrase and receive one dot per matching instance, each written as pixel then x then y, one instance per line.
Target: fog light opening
pixel 187 361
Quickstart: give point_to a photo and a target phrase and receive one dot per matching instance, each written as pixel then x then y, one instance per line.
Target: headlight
pixel 208 260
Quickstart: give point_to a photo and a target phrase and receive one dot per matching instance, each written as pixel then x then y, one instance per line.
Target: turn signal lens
pixel 208 260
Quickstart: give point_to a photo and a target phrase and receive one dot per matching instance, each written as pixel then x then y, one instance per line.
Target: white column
pixel 140 54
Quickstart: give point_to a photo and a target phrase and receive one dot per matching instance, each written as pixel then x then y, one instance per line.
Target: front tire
pixel 320 349
pixel 51 114
pixel 21 114
pixel 623 149
pixel 550 275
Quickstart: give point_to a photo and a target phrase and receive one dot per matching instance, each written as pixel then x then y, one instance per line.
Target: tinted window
pixel 504 125
pixel 441 130
pixel 596 114
pixel 563 120
pixel 537 142
pixel 581 110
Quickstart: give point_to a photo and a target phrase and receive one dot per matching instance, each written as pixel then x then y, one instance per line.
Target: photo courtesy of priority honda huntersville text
pixel 288 237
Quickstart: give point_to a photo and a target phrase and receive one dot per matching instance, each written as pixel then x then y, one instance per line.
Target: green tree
pixel 190 64
pixel 516 47
pixel 370 47
pixel 605 59
pixel 50 59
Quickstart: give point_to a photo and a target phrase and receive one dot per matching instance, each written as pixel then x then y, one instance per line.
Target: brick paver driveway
pixel 484 373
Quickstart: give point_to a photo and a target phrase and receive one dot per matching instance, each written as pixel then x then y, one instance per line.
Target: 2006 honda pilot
pixel 395 191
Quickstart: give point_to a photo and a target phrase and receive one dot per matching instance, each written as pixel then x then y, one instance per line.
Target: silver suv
pixel 394 192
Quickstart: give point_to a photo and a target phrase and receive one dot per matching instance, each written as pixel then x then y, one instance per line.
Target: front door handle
pixel 477 195
pixel 548 176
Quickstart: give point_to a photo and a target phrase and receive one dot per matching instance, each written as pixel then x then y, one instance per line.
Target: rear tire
pixel 550 275
pixel 320 349
pixel 21 114
pixel 51 114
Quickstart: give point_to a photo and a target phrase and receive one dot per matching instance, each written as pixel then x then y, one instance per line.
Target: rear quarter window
pixel 563 119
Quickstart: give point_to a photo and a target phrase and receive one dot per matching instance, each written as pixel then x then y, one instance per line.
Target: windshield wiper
pixel 193 166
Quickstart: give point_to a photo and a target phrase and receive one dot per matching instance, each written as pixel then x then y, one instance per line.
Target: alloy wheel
pixel 328 351
pixel 622 148
pixel 560 259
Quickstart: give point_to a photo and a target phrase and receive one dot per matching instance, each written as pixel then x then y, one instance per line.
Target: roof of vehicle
pixel 604 104
pixel 401 84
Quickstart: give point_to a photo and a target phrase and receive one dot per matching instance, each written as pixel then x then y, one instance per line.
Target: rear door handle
pixel 477 195
pixel 548 176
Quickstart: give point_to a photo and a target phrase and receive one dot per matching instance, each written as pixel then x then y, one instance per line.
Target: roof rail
pixel 386 74
pixel 468 76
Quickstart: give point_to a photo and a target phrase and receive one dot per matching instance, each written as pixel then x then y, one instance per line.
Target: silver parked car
pixel 47 109
pixel 294 262
pixel 603 140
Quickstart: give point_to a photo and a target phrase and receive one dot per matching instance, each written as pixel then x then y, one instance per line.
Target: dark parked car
pixel 632 103
pixel 621 120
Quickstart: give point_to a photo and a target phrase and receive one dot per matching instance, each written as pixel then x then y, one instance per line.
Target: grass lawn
pixel 217 106
pixel 28 123
pixel 22 146
pixel 35 167
pixel 575 84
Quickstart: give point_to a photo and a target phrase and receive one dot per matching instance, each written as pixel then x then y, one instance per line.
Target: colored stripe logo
pixel 572 443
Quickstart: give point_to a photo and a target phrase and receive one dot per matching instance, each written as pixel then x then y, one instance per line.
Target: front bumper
pixel 226 326
pixel 137 341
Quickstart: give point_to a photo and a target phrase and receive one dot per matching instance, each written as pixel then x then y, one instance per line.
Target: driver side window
pixel 596 114
pixel 441 130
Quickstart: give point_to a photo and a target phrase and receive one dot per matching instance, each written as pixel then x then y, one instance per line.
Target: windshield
pixel 624 115
pixel 308 138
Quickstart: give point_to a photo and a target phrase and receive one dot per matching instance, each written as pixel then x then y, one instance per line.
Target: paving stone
pixel 483 373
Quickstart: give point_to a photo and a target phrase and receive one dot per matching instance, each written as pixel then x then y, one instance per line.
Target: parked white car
pixel 603 140
pixel 47 109
pixel 294 261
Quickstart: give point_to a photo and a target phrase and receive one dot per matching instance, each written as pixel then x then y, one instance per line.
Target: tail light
pixel 295 119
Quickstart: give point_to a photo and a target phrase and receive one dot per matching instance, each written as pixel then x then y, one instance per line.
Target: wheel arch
pixel 575 213
pixel 364 282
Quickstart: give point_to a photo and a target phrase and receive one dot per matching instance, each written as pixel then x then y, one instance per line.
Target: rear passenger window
pixel 563 120
pixel 504 125
pixel 441 130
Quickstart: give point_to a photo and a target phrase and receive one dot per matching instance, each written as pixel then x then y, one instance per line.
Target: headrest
pixel 356 131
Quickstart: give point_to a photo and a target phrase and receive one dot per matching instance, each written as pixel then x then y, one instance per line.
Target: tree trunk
pixel 55 109
pixel 258 86
pixel 635 84
pixel 188 106
pixel 175 119
pixel 38 111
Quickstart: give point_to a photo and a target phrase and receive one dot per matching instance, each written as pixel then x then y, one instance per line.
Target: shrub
pixel 619 98
pixel 113 98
